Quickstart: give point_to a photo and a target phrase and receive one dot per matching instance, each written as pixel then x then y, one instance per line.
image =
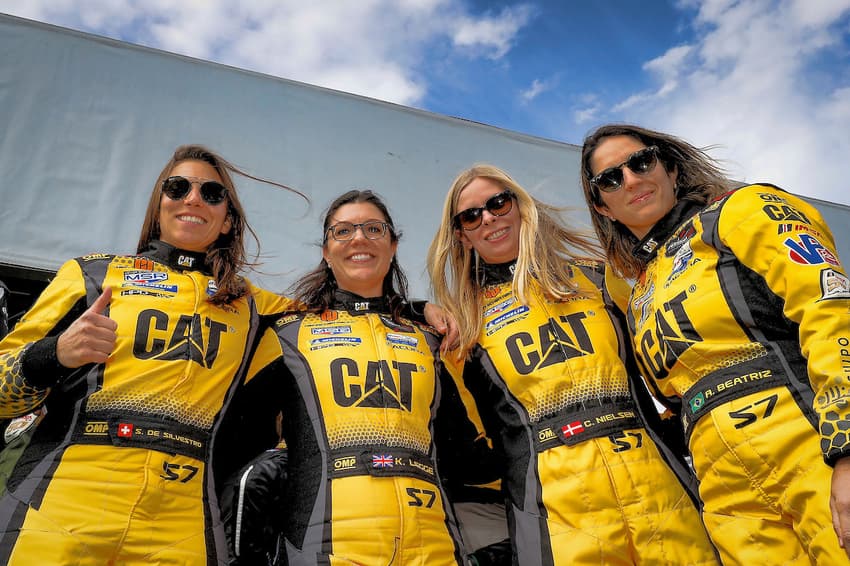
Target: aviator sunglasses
pixel 640 162
pixel 177 187
pixel 498 205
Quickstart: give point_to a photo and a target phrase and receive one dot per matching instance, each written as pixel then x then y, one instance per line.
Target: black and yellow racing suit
pixel 587 482
pixel 362 397
pixel 743 316
pixel 116 471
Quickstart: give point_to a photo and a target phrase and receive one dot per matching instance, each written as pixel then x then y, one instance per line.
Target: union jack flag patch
pixel 382 460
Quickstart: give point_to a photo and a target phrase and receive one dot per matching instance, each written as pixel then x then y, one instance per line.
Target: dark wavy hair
pixel 317 288
pixel 227 256
pixel 699 179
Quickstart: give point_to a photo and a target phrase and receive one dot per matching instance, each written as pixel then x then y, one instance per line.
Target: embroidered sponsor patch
pixel 402 340
pixel 805 249
pixel 330 330
pixel 833 285
pixel 145 276
pixel 319 343
pixel 499 307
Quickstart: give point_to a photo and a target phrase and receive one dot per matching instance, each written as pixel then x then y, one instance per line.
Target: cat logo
pixel 784 213
pixel 185 261
pixel 189 339
pixel 377 385
pixel 554 344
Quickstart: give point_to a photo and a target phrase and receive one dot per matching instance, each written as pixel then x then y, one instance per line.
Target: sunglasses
pixel 372 230
pixel 176 188
pixel 640 162
pixel 498 205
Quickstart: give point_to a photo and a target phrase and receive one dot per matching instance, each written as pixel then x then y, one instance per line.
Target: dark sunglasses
pixel 640 162
pixel 176 188
pixel 497 205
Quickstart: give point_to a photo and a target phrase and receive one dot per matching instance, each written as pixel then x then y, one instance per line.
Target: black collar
pixel 646 248
pixel 494 273
pixel 355 304
pixel 181 260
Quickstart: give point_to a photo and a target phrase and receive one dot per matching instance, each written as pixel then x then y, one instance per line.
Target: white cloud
pixel 537 88
pixel 750 82
pixel 369 47
pixel 492 36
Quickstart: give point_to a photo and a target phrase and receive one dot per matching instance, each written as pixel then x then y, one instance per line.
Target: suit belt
pixel 592 419
pixel 381 461
pixel 141 431
pixel 726 384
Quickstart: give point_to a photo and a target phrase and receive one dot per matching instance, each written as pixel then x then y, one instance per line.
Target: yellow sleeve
pixel 785 240
pixel 272 303
pixel 17 396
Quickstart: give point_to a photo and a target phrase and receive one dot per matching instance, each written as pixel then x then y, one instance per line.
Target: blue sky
pixel 765 81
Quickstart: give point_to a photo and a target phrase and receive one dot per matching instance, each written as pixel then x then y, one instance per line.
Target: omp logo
pixel 188 338
pixel 96 428
pixel 556 343
pixel 769 197
pixel 145 276
pixel 379 384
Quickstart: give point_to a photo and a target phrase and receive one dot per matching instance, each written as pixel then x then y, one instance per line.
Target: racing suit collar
pixel 646 248
pixel 493 273
pixel 181 260
pixel 355 304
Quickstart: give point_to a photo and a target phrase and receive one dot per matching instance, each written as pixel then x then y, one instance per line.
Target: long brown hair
pixel 227 256
pixel 546 246
pixel 699 179
pixel 317 288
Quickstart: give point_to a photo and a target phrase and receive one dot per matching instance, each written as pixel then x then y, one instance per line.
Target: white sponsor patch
pixel 834 285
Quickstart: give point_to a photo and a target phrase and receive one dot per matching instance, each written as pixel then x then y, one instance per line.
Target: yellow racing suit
pixel 587 481
pixel 362 398
pixel 116 470
pixel 743 318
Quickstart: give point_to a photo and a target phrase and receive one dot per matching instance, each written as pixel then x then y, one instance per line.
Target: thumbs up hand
pixel 90 338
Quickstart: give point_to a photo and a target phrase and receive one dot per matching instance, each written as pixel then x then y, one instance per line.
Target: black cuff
pixel 40 365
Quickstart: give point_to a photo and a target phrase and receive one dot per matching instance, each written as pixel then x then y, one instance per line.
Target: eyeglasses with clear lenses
pixel 372 230
pixel 178 187
pixel 640 162
pixel 498 205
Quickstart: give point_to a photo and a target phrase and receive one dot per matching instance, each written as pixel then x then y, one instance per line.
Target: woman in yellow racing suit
pixel 740 315
pixel 588 481
pixel 132 359
pixel 363 392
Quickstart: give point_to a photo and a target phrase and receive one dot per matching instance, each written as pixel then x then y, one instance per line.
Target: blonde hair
pixel 545 249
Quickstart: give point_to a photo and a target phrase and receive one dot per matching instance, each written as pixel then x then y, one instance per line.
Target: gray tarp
pixel 86 123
